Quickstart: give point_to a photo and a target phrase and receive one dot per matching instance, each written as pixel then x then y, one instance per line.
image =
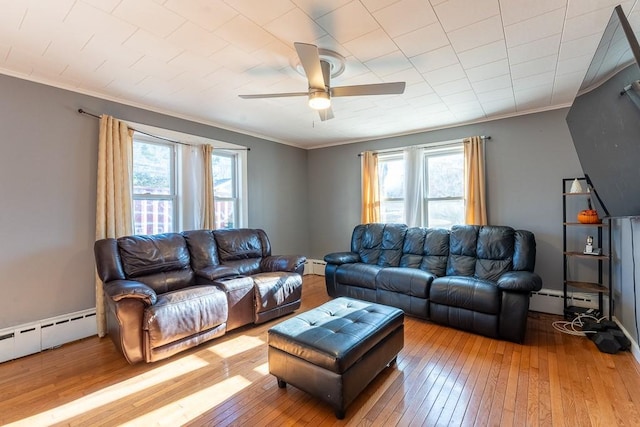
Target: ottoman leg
pixel 340 413
pixel 281 383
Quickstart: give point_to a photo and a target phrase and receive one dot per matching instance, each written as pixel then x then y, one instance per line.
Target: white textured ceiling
pixel 463 60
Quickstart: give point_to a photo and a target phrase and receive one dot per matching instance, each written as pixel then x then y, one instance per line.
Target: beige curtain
pixel 208 206
pixel 475 194
pixel 113 207
pixel 370 191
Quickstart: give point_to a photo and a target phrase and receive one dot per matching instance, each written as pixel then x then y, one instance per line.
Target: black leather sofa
pixel 476 278
pixel 165 293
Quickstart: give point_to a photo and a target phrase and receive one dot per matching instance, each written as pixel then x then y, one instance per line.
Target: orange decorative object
pixel 588 216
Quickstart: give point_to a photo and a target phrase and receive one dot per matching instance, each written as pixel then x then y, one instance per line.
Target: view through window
pixel 442 192
pixel 160 189
pixel 154 187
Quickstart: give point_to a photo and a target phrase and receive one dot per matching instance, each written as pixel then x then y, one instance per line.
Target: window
pixel 154 187
pixel 225 188
pixel 443 192
pixel 166 187
pixel 391 185
pixel 444 179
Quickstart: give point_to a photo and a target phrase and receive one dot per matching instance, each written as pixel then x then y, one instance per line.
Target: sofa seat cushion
pixel 466 292
pixel 180 314
pixel 358 274
pixel 275 289
pixel 408 281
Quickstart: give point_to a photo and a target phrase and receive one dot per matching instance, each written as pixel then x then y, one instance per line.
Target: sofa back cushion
pixel 426 249
pixel 462 250
pixel 242 248
pixel 524 256
pixel 379 244
pixel 161 261
pixel 202 247
pixel 485 252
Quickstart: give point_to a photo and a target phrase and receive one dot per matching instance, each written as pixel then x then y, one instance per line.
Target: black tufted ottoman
pixel 335 350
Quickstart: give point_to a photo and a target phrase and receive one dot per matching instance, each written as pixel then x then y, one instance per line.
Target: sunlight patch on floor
pixel 262 369
pixel 186 409
pixel 115 392
pixel 236 346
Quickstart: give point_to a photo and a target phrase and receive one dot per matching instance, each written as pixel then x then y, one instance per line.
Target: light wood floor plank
pixel 507 412
pixel 442 377
pixel 436 383
pixel 578 385
pixel 439 407
pixel 461 408
pixel 473 415
pixel 520 400
pixel 457 392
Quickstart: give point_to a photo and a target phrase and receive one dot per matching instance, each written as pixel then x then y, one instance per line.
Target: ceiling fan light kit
pixel 319 100
pixel 319 66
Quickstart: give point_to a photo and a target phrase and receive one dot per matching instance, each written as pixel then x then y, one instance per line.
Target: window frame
pixel 438 152
pixel 183 213
pixel 235 186
pixel 386 157
pixel 444 149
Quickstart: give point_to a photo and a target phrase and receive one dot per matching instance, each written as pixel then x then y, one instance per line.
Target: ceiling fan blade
pixel 326 114
pixel 310 60
pixel 274 95
pixel 372 89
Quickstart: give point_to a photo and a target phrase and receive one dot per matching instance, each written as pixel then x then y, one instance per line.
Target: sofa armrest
pixel 520 281
pixel 292 263
pixel 209 274
pixel 120 289
pixel 342 258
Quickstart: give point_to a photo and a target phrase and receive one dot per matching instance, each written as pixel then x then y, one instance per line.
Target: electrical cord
pixel 574 327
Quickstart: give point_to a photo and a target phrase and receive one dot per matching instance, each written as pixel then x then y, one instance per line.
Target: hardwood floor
pixel 443 377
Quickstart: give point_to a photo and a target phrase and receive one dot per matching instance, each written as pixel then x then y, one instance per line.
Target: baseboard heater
pixel 314 266
pixel 552 301
pixel 30 338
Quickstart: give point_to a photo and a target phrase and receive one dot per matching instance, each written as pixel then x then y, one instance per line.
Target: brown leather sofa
pixel 165 293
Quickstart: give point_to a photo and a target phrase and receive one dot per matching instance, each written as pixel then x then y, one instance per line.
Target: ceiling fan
pixel 320 92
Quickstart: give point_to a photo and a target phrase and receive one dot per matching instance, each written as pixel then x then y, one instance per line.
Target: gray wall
pixel 47 191
pixel 307 201
pixel 527 157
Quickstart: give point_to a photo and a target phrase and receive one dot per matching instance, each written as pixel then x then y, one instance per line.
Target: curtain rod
pixel 81 111
pixel 430 144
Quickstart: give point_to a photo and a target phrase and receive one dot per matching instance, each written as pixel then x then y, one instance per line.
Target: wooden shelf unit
pixel 601 287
